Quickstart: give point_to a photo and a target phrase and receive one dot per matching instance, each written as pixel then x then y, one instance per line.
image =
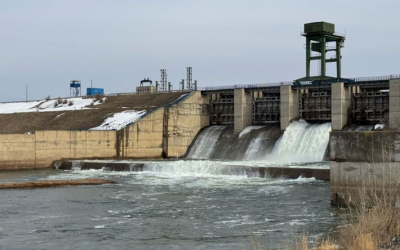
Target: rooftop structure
pixel 319 35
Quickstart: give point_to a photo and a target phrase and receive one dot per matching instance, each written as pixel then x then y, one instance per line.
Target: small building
pixel 94 91
pixel 146 89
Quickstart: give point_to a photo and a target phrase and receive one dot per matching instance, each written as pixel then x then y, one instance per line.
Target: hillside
pixel 43 115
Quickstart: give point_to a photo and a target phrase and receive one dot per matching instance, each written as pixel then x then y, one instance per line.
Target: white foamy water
pixel 302 142
pixel 246 130
pixel 204 146
pixel 253 149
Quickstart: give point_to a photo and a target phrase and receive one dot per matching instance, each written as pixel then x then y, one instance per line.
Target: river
pixel 183 204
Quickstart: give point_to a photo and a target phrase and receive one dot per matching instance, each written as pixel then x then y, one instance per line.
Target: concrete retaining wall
pixel 54 145
pixel 184 120
pixel 166 132
pixel 355 178
pixel 363 161
pixel 39 150
pixel 144 138
pixel 371 146
pixel 17 151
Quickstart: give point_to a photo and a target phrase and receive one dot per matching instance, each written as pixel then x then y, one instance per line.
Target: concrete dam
pixel 238 123
pixel 313 119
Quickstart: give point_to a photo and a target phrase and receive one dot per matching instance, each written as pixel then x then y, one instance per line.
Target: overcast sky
pixel 47 43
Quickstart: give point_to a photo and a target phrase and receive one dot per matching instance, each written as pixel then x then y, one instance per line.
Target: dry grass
pixel 19 123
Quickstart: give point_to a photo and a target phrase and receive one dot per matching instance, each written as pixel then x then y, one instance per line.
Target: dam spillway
pixel 301 142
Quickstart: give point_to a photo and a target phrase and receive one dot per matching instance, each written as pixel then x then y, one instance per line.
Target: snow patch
pixel 77 103
pixel 45 106
pixel 119 120
pixel 18 107
pixel 379 126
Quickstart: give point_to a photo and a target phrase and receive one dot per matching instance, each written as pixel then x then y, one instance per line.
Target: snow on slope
pixel 44 106
pixel 18 107
pixel 119 120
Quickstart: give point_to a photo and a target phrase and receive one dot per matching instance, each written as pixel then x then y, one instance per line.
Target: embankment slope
pixel 19 123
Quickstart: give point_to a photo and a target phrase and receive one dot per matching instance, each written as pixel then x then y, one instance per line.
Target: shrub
pixel 70 103
pixel 99 98
pixel 65 101
pixel 47 98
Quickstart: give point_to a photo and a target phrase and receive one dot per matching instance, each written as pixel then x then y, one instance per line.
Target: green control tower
pixel 319 37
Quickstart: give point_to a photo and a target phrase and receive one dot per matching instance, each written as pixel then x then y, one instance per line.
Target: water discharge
pixel 204 146
pixel 301 142
pixel 214 199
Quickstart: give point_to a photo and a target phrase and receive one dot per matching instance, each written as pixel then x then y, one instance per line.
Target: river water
pixel 170 205
pixel 209 201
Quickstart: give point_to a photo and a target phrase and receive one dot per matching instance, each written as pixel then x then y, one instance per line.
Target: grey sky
pixel 45 44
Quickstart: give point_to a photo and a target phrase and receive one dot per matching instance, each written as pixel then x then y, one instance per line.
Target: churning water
pixel 170 205
pixel 214 203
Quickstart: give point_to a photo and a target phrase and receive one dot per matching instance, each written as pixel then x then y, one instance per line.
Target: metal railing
pixel 217 87
pixel 376 78
pixel 246 86
pixel 237 86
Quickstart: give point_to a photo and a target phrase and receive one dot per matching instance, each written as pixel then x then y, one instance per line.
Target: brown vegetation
pixel 19 123
pixel 370 221
pixel 55 183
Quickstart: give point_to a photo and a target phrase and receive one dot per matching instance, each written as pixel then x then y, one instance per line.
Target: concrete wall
pixel 367 146
pixel 243 110
pixel 289 105
pixel 184 120
pixel 349 179
pixel 394 104
pixel 166 132
pixel 55 145
pixel 17 151
pixel 144 138
pixel 340 105
pixel 39 150
pixel 363 160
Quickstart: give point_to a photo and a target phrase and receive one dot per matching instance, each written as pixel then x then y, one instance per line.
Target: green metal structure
pixel 318 36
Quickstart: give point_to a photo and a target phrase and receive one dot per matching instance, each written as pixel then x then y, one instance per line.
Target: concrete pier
pixel 289 105
pixel 243 109
pixel 340 105
pixel 394 104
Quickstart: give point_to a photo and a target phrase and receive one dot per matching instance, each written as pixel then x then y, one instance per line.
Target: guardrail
pixel 376 78
pixel 246 86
